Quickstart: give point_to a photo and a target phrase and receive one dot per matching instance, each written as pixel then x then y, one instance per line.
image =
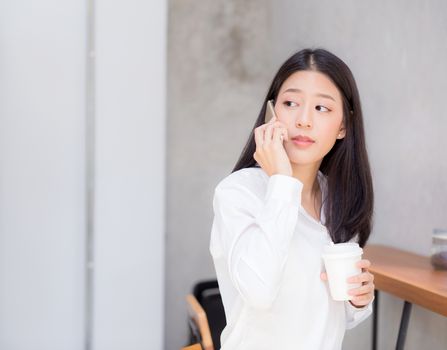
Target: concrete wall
pixel 221 58
pixel 394 50
pixel 218 71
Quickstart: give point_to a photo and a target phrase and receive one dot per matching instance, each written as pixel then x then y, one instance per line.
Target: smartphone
pixel 269 111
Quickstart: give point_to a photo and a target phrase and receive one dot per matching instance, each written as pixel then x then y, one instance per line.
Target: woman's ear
pixel 341 133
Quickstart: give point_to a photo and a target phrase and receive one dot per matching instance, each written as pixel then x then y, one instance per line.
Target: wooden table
pixel 407 276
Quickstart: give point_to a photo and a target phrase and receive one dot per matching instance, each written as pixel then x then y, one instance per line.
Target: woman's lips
pixel 302 141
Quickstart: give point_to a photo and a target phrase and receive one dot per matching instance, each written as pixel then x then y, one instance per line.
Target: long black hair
pixel 350 199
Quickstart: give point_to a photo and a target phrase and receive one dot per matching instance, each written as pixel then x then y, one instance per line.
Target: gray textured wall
pixel 218 71
pixel 397 51
pixel 222 56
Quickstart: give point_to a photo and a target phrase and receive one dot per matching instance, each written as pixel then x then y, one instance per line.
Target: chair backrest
pixel 202 286
pixel 207 312
pixel 213 307
pixel 194 331
pixel 198 317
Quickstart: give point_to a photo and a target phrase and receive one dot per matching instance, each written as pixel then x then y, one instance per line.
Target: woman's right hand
pixel 270 153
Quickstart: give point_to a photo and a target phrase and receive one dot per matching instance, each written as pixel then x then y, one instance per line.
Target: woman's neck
pixel 307 174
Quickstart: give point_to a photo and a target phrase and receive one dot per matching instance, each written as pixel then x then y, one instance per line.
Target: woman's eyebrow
pixel 318 94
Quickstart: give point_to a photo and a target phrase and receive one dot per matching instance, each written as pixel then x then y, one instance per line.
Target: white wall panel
pixel 42 174
pixel 130 156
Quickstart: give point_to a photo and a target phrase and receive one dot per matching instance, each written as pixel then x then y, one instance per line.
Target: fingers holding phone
pixel 271 120
pixel 280 134
pixel 270 153
pixel 275 131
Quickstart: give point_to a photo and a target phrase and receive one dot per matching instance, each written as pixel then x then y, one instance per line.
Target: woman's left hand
pixel 364 294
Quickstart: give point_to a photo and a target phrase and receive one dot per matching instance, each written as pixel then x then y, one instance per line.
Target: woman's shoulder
pixel 253 179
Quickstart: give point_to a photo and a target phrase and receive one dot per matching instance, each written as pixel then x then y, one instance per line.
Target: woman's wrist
pixel 356 306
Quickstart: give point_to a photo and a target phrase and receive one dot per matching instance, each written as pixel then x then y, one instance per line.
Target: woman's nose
pixel 299 124
pixel 304 119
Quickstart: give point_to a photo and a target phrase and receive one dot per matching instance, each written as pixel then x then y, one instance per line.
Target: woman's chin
pixel 304 162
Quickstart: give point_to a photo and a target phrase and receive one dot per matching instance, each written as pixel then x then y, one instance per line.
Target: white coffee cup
pixel 340 262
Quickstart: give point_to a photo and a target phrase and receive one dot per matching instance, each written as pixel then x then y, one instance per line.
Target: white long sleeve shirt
pixel 267 255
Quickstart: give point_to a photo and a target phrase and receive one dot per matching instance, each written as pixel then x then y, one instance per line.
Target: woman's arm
pixel 356 315
pixel 255 235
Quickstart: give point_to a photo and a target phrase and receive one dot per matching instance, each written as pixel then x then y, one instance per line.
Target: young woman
pixel 302 181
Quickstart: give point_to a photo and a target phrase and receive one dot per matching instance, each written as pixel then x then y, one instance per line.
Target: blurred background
pixel 118 119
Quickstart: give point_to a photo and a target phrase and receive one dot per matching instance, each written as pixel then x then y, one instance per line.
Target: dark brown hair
pixel 350 199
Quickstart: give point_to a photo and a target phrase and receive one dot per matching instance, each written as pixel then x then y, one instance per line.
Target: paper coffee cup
pixel 340 262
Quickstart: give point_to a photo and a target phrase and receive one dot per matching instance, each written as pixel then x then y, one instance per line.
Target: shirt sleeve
pixel 355 315
pixel 254 235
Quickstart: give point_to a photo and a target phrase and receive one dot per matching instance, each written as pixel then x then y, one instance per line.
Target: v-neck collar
pixel 321 178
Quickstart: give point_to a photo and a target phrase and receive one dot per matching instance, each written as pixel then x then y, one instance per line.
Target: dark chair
pixel 206 314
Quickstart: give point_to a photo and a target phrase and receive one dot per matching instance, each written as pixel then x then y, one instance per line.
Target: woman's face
pixel 310 105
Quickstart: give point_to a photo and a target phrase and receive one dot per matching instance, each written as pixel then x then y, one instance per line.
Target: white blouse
pixel 267 254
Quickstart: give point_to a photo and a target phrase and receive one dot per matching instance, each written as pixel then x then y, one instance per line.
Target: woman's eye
pixel 289 103
pixel 324 110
